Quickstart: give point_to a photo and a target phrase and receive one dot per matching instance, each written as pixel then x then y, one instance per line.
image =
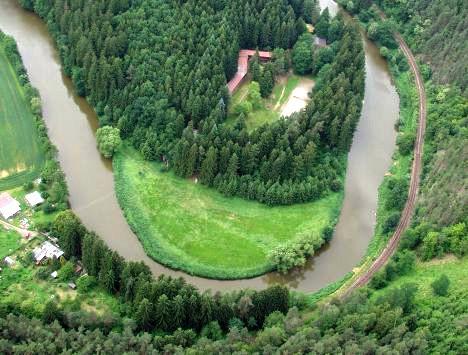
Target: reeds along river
pixel 72 123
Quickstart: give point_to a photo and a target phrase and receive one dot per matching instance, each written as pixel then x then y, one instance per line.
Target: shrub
pixel 108 140
pixel 67 271
pixel 295 254
pixel 85 283
pixel 405 143
pixel 441 285
pixel 391 222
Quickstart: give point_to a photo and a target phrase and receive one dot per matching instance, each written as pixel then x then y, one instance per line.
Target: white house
pixel 9 261
pixel 34 198
pixel 47 251
pixel 8 205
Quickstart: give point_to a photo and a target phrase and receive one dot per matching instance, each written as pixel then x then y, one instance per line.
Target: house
pixel 9 261
pixel 34 198
pixel 243 66
pixel 47 251
pixel 8 205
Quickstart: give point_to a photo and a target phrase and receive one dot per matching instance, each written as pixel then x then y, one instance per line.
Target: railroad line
pixel 415 176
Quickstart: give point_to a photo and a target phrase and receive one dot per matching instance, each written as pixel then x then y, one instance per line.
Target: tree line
pixel 390 323
pixel 165 303
pixel 158 71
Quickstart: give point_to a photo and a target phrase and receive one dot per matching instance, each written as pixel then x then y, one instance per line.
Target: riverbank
pixel 188 226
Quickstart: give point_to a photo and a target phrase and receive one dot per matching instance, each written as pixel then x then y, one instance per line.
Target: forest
pixel 157 70
pixel 418 303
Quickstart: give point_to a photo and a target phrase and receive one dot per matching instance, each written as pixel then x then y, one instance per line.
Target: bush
pixel 441 285
pixel 295 254
pixel 212 331
pixel 85 283
pixel 108 140
pixel 391 222
pixel 405 143
pixel 67 271
pixel 245 107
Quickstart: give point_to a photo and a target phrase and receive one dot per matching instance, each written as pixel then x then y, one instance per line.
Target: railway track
pixel 415 176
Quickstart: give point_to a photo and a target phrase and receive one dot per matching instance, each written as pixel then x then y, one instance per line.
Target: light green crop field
pixel 20 153
pixel 191 227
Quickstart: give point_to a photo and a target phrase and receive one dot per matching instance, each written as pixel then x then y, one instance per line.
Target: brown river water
pixel 72 123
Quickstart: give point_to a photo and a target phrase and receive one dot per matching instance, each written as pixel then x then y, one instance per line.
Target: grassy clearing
pixel 20 153
pixel 9 242
pixel 426 272
pixel 270 110
pixel 194 228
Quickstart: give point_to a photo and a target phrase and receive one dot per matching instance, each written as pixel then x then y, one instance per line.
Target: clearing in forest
pixel 20 153
pixel 189 226
pixel 280 103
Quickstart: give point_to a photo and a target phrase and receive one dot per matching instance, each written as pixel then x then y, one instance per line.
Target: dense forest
pixel 437 30
pixel 388 324
pixel 167 315
pixel 157 70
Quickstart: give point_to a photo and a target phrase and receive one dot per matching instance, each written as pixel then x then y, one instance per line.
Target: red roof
pixel 6 199
pixel 243 66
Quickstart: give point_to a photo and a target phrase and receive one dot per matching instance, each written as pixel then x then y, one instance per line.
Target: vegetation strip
pixel 414 182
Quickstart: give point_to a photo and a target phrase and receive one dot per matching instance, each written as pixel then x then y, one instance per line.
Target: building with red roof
pixel 243 66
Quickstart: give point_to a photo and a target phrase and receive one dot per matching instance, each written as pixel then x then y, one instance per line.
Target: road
pixel 415 176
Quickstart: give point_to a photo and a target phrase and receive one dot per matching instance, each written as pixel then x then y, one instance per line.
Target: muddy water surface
pixel 72 123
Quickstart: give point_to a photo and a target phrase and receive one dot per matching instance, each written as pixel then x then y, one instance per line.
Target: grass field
pixel 426 272
pixel 191 227
pixel 20 153
pixel 271 107
pixel 9 242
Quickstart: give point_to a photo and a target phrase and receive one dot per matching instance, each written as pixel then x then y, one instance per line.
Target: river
pixel 72 124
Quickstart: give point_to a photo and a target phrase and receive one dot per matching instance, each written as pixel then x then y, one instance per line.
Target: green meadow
pixel 188 226
pixel 20 152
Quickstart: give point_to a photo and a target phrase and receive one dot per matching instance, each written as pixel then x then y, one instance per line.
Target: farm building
pixel 34 198
pixel 243 66
pixel 8 206
pixel 9 261
pixel 47 251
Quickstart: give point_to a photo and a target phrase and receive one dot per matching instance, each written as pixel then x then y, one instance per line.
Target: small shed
pixel 72 285
pixel 34 198
pixel 8 205
pixel 320 42
pixel 54 274
pixel 47 251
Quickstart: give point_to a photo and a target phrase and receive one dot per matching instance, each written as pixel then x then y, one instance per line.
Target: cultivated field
pixel 20 153
pixel 189 226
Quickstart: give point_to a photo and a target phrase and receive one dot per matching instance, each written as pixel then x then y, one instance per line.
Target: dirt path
pixel 279 100
pixel 23 232
pixel 415 176
pixel 299 97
